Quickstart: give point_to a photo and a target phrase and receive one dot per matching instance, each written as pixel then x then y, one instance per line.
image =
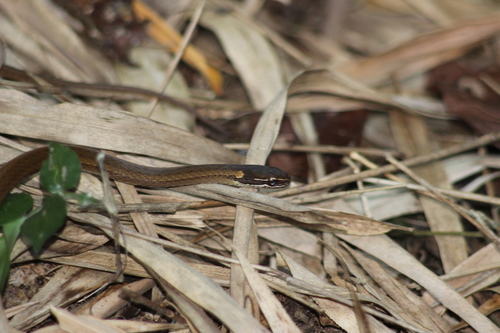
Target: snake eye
pixel 272 182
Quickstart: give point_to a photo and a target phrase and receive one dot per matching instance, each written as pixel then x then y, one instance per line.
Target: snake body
pixel 28 163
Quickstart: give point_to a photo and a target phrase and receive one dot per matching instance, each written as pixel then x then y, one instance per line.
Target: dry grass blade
pixel 134 326
pixel 112 302
pixel 342 315
pixel 189 282
pixel 68 284
pixel 474 279
pixel 277 317
pixel 412 308
pixel 195 315
pixel 315 219
pixel 486 231
pixel 413 138
pixel 71 323
pixel 245 237
pixel 390 253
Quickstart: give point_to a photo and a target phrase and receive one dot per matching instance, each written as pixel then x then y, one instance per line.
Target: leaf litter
pixel 324 91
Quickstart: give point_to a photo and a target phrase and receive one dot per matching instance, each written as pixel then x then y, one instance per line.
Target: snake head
pixel 264 177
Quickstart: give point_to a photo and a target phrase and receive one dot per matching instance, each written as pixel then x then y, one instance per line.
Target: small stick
pixel 426 158
pixel 486 231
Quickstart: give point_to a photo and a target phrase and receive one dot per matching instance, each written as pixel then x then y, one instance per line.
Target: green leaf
pixel 15 206
pixel 13 211
pixel 83 199
pixel 4 263
pixel 12 215
pixel 44 222
pixel 61 171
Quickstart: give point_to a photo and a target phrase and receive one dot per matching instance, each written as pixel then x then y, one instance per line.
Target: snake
pixel 245 175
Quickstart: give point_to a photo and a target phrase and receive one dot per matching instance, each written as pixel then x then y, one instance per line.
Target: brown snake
pixel 26 164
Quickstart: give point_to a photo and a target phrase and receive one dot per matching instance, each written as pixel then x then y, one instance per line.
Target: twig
pixel 178 55
pixel 452 193
pixel 426 158
pixel 321 149
pixel 486 231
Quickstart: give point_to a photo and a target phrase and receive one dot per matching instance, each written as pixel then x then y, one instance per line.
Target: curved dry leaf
pixel 461 36
pixel 108 129
pixel 313 85
pixel 164 34
pixel 250 53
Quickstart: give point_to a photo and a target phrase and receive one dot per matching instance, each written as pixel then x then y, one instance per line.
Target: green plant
pixel 58 175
